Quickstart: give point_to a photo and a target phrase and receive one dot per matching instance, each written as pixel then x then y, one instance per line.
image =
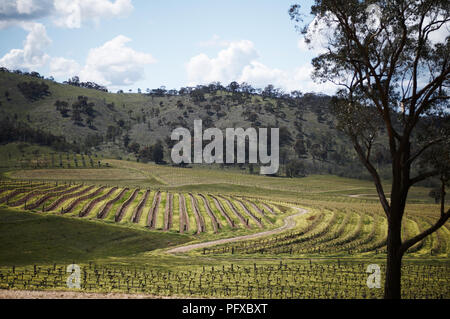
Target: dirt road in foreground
pixel 289 223
pixel 48 294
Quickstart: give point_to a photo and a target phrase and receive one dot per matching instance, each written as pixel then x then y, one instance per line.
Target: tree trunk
pixel 392 285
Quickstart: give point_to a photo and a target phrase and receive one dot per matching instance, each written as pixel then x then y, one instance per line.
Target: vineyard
pixel 154 209
pixel 336 229
pixel 27 156
pixel 344 229
pixel 282 280
pixel 323 253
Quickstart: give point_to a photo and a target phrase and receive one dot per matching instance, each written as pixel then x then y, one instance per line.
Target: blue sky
pixel 146 44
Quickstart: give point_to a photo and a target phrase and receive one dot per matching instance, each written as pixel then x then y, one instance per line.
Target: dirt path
pixel 19 189
pixel 198 217
pixel 138 210
pixel 249 213
pixel 72 206
pixel 91 205
pixel 61 200
pixel 170 223
pixel 184 219
pixel 256 208
pixel 268 208
pixel 151 219
pixel 215 224
pixel 289 223
pixel 122 210
pixel 37 192
pixel 222 211
pixel 236 213
pixel 168 212
pixel 368 196
pixel 102 214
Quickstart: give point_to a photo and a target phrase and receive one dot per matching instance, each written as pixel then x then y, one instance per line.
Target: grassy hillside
pixel 27 238
pixel 146 118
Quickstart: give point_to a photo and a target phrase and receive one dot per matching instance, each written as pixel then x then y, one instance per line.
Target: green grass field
pixel 27 238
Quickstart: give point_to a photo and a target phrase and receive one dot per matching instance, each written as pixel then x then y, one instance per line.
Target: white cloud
pixel 261 75
pixel 64 68
pixel 301 80
pixel 25 6
pixel 115 64
pixel 16 11
pixel 226 67
pixel 65 13
pixel 112 64
pixel 239 62
pixel 32 56
pixel 72 13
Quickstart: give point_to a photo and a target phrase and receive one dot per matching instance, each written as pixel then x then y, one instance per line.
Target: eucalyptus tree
pixel 391 62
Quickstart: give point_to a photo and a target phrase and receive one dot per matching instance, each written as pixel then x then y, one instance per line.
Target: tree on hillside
pixel 246 88
pixel 300 148
pixel 112 132
pixel 146 154
pixel 76 117
pixel 285 137
pixel 34 91
pixel 134 147
pixel 126 140
pixel 295 168
pixel 233 87
pixel 198 96
pixel 62 107
pixel 394 75
pixel 158 152
pixel 268 92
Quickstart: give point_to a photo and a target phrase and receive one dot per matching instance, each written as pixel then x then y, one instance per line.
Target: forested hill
pixel 128 125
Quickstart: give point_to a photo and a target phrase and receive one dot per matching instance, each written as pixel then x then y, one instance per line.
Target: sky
pixel 125 44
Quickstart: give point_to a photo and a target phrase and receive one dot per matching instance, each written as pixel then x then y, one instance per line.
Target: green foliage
pixel 11 130
pixel 33 90
pixel 295 168
pixel 335 279
pixel 158 152
pixel 134 148
pixel 62 107
pixel 84 106
pixel 151 153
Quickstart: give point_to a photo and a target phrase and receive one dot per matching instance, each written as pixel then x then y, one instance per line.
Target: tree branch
pixel 423 176
pixel 430 87
pixel 365 160
pixel 411 242
pixel 424 148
